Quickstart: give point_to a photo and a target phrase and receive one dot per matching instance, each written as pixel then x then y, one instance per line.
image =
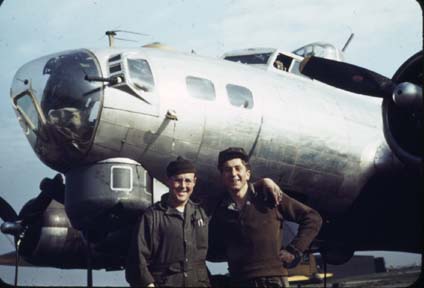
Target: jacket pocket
pixel 200 227
pixel 203 278
pixel 201 237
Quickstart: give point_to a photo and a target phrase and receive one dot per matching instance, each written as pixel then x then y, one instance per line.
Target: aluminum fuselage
pixel 313 139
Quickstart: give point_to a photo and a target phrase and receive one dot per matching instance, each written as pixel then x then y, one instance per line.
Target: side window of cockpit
pixel 239 96
pixel 200 88
pixel 283 62
pixel 141 74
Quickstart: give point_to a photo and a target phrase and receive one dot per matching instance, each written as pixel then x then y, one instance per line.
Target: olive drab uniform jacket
pixel 169 247
pixel 251 237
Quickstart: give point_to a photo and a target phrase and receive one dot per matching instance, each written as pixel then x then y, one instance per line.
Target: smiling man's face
pixel 181 187
pixel 235 175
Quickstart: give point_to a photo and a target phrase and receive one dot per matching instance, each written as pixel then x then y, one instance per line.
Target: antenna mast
pixel 348 42
pixel 111 35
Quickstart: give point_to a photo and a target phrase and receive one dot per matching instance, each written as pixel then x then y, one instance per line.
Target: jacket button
pixel 186 260
pixel 185 275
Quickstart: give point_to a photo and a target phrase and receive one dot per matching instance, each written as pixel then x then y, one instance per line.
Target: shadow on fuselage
pixel 387 215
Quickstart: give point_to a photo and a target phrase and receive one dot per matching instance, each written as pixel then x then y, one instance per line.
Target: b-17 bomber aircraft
pixel 340 138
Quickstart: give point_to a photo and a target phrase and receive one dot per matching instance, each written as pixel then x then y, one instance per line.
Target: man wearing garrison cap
pixel 248 225
pixel 169 248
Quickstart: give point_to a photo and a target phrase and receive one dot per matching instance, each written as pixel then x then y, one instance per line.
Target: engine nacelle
pixel 403 126
pixel 51 238
pixel 51 241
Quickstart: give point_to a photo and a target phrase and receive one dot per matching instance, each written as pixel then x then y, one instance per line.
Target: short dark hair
pixel 233 153
pixel 180 166
pixel 246 164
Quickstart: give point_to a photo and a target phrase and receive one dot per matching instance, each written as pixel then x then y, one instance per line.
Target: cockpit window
pixel 240 96
pixel 260 58
pixel 200 88
pixel 283 62
pixel 323 50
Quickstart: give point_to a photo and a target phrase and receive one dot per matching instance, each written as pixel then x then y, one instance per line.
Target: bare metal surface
pixel 311 138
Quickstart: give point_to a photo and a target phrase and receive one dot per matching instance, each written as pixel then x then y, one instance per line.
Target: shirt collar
pixel 229 203
pixel 164 205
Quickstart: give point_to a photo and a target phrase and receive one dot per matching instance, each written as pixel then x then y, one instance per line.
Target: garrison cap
pixel 180 166
pixel 231 153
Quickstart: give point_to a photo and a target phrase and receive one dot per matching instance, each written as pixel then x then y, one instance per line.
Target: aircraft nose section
pixel 56 106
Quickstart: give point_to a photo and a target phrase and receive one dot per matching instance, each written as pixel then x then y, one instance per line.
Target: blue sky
pixel 387 32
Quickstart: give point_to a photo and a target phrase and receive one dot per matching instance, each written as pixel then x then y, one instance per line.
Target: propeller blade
pixel 53 188
pixel 9 259
pixel 7 213
pixel 347 77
